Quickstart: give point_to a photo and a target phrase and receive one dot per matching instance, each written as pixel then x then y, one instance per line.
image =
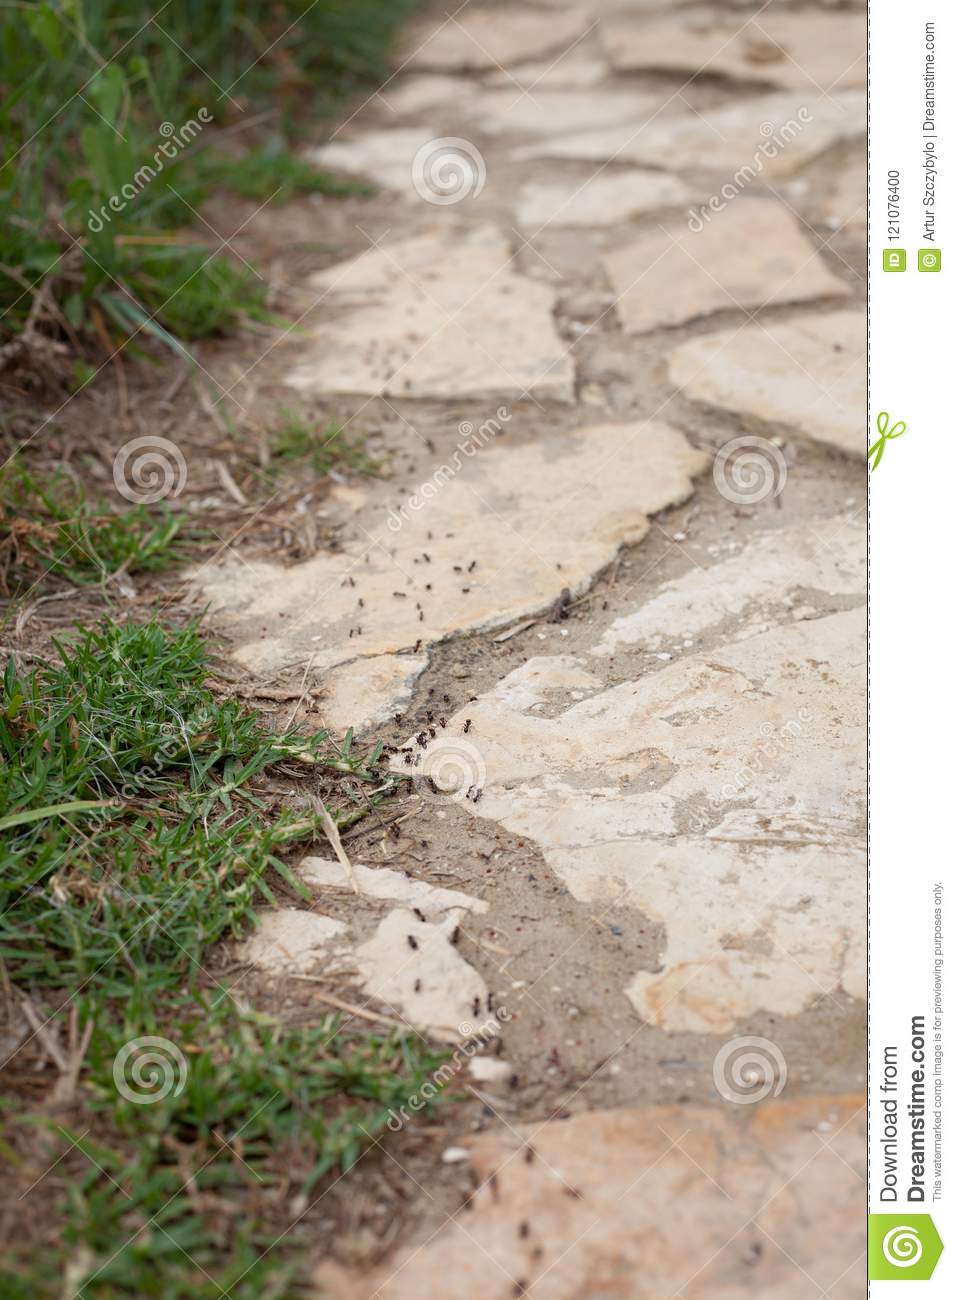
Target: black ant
pixel 468 726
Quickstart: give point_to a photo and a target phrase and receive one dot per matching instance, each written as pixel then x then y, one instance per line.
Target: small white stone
pixel 454 1155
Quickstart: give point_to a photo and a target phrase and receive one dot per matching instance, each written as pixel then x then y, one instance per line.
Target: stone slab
pixel 751 254
pixel 809 375
pixel 731 768
pixel 605 199
pixel 533 518
pixel 769 135
pixel 441 314
pixel 810 51
pixel 474 39
pixel 697 1202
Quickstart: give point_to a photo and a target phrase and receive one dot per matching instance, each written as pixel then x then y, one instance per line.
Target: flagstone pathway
pixel 609 610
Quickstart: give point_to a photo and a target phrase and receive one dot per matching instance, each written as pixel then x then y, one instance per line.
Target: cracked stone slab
pixel 809 375
pixel 752 254
pixel 802 51
pixel 732 768
pixel 768 136
pixel 828 559
pixel 368 691
pixel 475 40
pixel 483 507
pixel 441 314
pixel 602 200
pixel 435 903
pixel 703 1202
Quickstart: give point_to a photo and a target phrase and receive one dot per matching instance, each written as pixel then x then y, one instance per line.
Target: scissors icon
pixel 887 432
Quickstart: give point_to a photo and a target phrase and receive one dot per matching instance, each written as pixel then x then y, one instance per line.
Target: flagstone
pixel 368 691
pixel 807 51
pixel 385 157
pixel 744 141
pixel 808 374
pixel 556 112
pixel 292 940
pixel 435 903
pixel 475 39
pixel 530 518
pixel 703 1202
pixel 751 254
pixel 605 199
pixel 731 771
pixel 576 68
pixel 413 967
pixel 441 314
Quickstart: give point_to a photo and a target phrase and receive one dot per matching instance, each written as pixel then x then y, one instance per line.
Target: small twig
pixel 50 1045
pixel 332 832
pixel 353 1010
pixel 230 485
pixel 302 690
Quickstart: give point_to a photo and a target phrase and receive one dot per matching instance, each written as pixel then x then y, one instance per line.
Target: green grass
pixel 178 837
pixel 90 93
pixel 48 525
pixel 279 176
pixel 299 440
